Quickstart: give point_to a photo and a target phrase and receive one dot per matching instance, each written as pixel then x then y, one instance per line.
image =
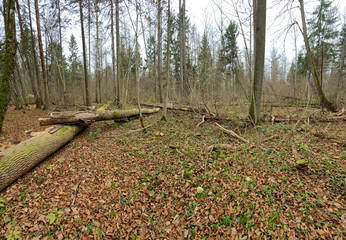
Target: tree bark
pixel 37 71
pixel 165 100
pixel 113 49
pixel 117 29
pixel 17 160
pixel 84 117
pixel 259 10
pixel 9 58
pixel 137 56
pixel 46 93
pixel 159 50
pixel 26 57
pixel 323 99
pixel 86 82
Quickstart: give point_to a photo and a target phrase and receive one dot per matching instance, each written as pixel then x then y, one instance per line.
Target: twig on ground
pixel 269 138
pixel 201 122
pixel 75 194
pixel 233 134
pixel 222 146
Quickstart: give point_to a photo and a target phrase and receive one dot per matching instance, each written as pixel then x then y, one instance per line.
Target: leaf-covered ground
pixel 111 183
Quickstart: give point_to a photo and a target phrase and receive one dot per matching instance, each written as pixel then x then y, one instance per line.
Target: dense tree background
pixel 212 66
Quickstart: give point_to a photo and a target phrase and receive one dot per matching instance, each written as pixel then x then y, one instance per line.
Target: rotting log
pixel 80 118
pixel 17 160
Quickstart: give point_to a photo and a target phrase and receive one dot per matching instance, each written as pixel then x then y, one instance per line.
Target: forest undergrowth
pixel 111 182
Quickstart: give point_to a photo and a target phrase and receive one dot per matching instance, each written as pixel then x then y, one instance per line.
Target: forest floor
pixel 111 183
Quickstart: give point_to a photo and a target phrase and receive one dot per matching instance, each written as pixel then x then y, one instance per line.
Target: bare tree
pixel 87 100
pixel 24 43
pixel 37 71
pixel 117 29
pixel 165 100
pixel 323 99
pixel 45 83
pixel 159 49
pixel 259 16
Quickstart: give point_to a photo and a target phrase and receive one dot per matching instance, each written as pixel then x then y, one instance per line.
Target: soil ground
pixel 111 183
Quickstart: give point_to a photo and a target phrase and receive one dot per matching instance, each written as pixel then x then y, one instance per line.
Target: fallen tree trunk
pixel 80 118
pixel 17 160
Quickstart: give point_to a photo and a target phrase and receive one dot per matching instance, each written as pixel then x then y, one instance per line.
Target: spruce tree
pixel 322 36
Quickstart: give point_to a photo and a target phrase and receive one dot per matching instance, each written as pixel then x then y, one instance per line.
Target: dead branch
pixel 201 122
pixel 233 134
pixel 75 194
pixel 227 147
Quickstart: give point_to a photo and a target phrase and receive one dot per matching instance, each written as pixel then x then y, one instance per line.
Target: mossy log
pixel 80 118
pixel 17 160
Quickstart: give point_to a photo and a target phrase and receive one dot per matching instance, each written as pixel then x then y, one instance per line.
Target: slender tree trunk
pixel 159 49
pixel 20 84
pixel 165 102
pixel 37 69
pixel 117 29
pixel 341 80
pixel 46 93
pixel 9 57
pixel 137 71
pixel 87 101
pixel 97 59
pixel 323 100
pixel 61 71
pixel 26 56
pixel 259 15
pixel 113 49
pixel 181 29
pixel 186 85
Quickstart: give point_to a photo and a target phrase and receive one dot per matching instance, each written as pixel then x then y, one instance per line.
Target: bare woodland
pixel 90 67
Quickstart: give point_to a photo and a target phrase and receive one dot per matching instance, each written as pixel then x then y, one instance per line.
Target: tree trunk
pixel 26 57
pixel 86 82
pixel 37 71
pixel 9 58
pixel 341 80
pixel 165 100
pixel 159 49
pixel 323 99
pixel 61 71
pixel 17 160
pixel 113 49
pixel 117 29
pixel 137 71
pixel 46 93
pixel 83 117
pixel 259 15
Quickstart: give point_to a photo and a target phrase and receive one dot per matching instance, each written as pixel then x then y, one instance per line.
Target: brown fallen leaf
pixel 320 231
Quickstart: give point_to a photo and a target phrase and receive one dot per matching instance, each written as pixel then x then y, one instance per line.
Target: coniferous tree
pixel 323 32
pixel 205 66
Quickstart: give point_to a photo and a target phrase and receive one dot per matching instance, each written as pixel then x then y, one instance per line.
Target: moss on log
pixel 85 117
pixel 17 160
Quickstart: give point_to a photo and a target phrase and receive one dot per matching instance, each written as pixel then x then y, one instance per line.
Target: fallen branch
pixel 75 194
pixel 201 122
pixel 233 134
pixel 227 147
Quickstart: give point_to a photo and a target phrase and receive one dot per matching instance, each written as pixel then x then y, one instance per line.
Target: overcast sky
pixel 207 12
